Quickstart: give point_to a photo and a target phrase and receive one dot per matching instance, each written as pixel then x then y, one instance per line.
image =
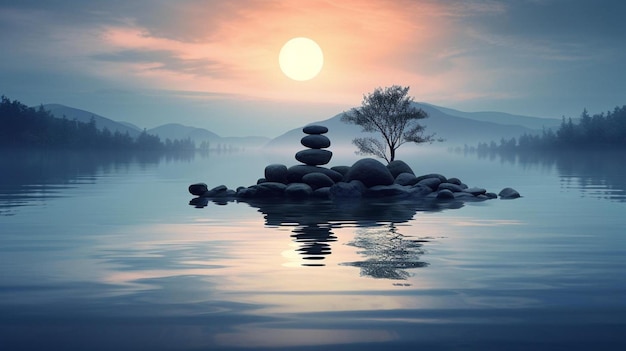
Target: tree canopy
pixel 389 112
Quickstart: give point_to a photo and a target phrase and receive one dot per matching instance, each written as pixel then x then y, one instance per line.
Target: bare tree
pixel 390 112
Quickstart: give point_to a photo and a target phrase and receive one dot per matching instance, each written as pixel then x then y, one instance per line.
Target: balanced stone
pixel 315 141
pixel 314 157
pixel 315 129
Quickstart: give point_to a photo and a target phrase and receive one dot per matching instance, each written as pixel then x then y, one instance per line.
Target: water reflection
pixel 31 177
pixel 595 173
pixel 387 252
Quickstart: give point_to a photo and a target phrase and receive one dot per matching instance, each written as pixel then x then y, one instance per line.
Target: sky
pixel 214 64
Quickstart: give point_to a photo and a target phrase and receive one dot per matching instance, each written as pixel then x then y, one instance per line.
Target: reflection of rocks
pixel 389 253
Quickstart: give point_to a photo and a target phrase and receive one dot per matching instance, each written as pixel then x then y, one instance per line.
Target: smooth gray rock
pixel 198 189
pixel 491 195
pixel 216 191
pixel 276 173
pixel 315 141
pixel 371 172
pixel 298 190
pixel 441 178
pixel 314 129
pixel 322 193
pixel 463 195
pixel 317 180
pixel 452 187
pixel 420 191
pixel 445 194
pixel 345 191
pixel 406 179
pixel 341 169
pixel 475 191
pixel 295 173
pixel 261 180
pixel 359 184
pixel 456 181
pixel 395 190
pixel 432 183
pixel 269 189
pixel 397 166
pixel 508 193
pixel 314 157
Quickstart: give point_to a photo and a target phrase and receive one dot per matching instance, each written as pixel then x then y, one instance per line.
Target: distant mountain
pixel 502 118
pixel 455 130
pixel 71 113
pixel 198 135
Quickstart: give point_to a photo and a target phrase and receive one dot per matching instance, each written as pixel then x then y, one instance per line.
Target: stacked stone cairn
pixel 365 178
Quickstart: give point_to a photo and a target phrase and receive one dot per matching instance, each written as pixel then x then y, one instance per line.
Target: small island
pixel 366 178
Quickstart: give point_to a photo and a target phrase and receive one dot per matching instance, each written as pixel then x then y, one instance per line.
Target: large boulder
pixel 317 180
pixel 314 157
pixel 396 167
pixel 315 141
pixel 314 129
pixel 198 189
pixel 508 193
pixel 298 190
pixel 371 172
pixel 276 173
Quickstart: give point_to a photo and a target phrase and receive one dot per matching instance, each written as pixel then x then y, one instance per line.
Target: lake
pixel 104 252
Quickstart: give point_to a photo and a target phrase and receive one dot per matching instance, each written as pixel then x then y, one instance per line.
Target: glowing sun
pixel 301 59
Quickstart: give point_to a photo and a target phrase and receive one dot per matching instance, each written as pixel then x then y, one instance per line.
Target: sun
pixel 301 59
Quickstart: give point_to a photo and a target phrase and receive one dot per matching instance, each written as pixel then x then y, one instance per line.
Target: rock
pixel 445 194
pixel 491 195
pixel 199 202
pixel 456 181
pixel 432 183
pixel 387 191
pixel 276 173
pixel 463 195
pixel 295 173
pixel 405 179
pixel 317 180
pixel 396 167
pixel 314 157
pixel 315 141
pixel 359 185
pixel 420 190
pixel 475 191
pixel 452 187
pixel 269 189
pixel 441 178
pixel 261 180
pixel 322 193
pixel 314 129
pixel 218 190
pixel 508 193
pixel 298 190
pixel 371 172
pixel 341 169
pixel 344 191
pixel 198 189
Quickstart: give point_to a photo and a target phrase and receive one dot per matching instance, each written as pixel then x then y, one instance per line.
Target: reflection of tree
pixel 389 253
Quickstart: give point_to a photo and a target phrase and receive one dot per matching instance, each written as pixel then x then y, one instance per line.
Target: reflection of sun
pixel 301 59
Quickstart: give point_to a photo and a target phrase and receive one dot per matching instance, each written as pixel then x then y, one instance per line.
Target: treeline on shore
pixel 600 131
pixel 23 126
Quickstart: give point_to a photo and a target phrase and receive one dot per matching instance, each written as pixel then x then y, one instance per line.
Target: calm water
pixel 102 252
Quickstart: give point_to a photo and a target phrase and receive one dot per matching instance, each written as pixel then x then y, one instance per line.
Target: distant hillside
pixel 198 135
pixel 455 130
pixel 59 111
pixel 502 118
